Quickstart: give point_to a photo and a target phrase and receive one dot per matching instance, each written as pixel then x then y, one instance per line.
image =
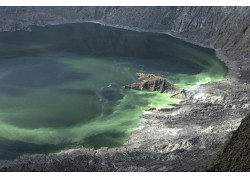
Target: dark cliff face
pixel 221 27
pixel 235 154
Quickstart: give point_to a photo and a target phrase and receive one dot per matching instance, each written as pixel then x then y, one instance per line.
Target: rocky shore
pixel 177 139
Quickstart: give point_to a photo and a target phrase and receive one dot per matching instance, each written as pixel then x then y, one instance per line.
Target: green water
pixel 60 86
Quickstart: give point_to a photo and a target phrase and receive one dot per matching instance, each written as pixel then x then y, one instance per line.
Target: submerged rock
pixel 151 82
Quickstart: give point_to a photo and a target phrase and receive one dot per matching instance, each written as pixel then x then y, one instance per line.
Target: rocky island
pixel 151 82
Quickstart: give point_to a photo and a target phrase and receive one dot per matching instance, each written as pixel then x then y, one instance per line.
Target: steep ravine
pixel 221 107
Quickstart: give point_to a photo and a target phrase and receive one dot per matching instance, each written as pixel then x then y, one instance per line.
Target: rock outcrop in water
pixel 151 82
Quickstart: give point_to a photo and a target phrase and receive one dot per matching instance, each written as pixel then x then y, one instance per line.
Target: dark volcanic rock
pixel 151 82
pixel 235 155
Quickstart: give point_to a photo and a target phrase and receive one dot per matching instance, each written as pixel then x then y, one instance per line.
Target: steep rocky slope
pixel 234 156
pixel 217 112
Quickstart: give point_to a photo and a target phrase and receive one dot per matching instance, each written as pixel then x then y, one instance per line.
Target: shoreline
pixel 152 137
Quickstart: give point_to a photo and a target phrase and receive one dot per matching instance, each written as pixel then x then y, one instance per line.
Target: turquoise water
pixel 60 86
